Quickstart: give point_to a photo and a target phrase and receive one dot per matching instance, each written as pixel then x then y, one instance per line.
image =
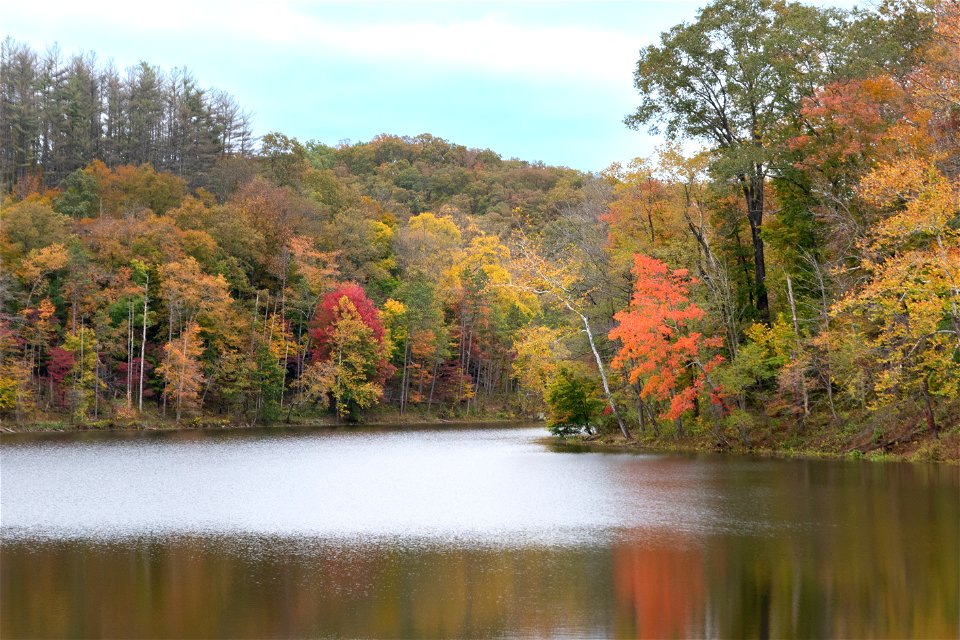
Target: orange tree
pixel 660 347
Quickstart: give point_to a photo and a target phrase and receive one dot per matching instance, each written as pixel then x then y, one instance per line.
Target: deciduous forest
pixel 784 273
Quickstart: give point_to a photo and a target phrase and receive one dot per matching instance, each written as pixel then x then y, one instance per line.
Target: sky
pixel 535 80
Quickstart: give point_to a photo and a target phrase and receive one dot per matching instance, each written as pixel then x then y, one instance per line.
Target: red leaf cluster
pixel 327 312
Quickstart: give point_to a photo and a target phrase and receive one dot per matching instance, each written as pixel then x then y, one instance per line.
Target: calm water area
pixel 463 532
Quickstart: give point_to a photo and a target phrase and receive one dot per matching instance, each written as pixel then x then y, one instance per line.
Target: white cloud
pixel 489 44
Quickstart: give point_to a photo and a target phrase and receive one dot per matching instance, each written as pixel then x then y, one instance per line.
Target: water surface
pixel 463 532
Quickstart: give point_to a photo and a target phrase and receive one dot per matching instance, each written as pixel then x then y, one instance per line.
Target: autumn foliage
pixel 349 366
pixel 330 310
pixel 661 348
pixel 797 276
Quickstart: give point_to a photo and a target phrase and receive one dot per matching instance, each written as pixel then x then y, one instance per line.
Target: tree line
pixel 792 280
pixel 60 113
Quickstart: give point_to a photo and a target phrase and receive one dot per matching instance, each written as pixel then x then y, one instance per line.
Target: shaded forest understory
pixel 792 285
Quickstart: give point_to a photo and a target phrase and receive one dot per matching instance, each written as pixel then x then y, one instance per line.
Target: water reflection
pixel 517 541
pixel 659 590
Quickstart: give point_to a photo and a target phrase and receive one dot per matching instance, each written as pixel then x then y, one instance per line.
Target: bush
pixel 573 400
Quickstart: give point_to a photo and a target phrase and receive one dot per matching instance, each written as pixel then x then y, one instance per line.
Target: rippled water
pixel 462 532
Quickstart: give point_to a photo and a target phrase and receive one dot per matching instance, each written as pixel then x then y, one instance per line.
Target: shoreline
pixel 922 449
pixel 945 450
pixel 209 424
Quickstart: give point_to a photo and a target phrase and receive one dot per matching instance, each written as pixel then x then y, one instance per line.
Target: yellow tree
pixel 194 298
pixel 427 243
pixel 28 225
pixel 40 263
pixel 556 279
pixel 307 273
pixel 38 326
pixel 538 352
pixel 636 214
pixel 181 371
pixel 912 298
pixel 426 248
pixel 191 295
pixel 14 373
pixel 85 372
pixel 489 312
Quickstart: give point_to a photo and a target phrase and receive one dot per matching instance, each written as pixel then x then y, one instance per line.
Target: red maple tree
pixel 660 347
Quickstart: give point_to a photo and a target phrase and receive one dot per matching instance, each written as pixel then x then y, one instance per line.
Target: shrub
pixel 573 400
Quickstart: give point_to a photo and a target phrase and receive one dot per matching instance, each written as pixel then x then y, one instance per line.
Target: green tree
pixel 284 159
pixel 736 77
pixel 574 401
pixel 81 195
pixel 267 380
pixel 85 372
pixel 20 124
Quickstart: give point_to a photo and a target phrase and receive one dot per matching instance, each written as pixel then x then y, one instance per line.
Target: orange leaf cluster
pixel 659 346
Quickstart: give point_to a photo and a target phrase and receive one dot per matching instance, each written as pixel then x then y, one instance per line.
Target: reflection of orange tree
pixel 659 591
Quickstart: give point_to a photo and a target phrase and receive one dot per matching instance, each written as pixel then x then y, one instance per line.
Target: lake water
pixel 463 532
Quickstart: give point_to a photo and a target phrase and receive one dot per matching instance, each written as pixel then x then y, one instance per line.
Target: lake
pixel 463 532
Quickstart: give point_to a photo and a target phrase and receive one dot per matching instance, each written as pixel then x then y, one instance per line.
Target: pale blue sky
pixel 547 81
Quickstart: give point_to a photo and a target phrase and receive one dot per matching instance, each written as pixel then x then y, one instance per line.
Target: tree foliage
pixel 795 276
pixel 660 346
pixel 349 374
pixel 574 402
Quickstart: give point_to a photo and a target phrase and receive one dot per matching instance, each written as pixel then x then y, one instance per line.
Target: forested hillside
pixel 789 280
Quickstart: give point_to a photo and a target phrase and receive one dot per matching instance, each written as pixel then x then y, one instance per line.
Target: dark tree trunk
pixel 928 411
pixel 753 192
